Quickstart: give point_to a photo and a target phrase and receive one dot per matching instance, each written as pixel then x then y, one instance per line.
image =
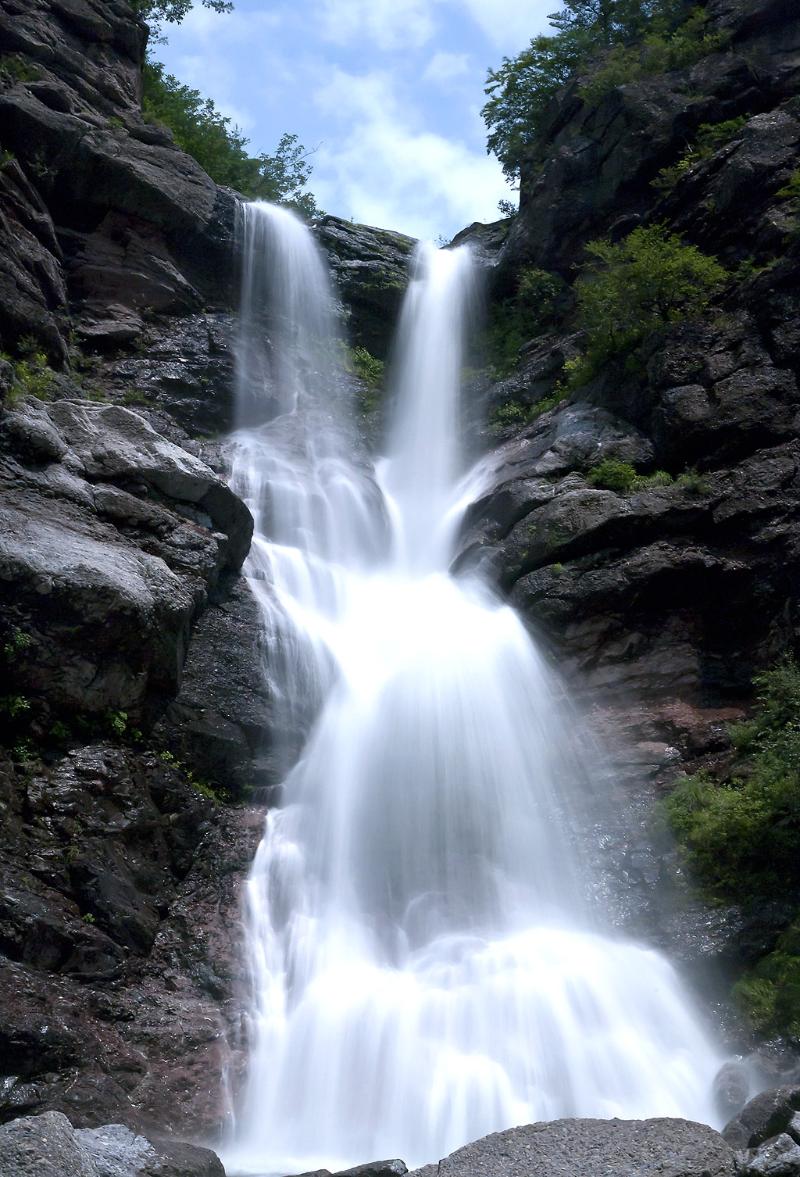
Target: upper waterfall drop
pixel 425 968
pixel 426 457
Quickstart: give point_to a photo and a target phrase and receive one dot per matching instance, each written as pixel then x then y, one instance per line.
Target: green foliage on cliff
pixel 622 477
pixel 155 12
pixel 741 837
pixel 708 140
pixel 616 41
pixel 643 284
pixel 534 305
pixel 219 148
pixel 769 993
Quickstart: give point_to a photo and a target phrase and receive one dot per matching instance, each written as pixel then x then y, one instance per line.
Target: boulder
pixel 48 1146
pixel 594 1148
pixel 43 1146
pixel 768 1115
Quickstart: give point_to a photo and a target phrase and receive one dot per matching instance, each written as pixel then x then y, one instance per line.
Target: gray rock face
pixel 219 723
pixel 594 1148
pixel 48 1146
pixel 112 539
pixel 106 209
pixel 594 162
pixel 779 1157
pixel 370 269
pixel 43 1146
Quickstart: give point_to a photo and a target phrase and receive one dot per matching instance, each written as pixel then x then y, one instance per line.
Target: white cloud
pixel 203 24
pixel 386 24
pixel 385 170
pixel 510 24
pixel 444 68
pixel 214 75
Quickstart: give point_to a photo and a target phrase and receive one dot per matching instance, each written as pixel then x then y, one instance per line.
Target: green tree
pixel 172 11
pixel 630 290
pixel 220 148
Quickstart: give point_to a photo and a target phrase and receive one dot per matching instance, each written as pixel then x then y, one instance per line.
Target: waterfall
pixel 425 966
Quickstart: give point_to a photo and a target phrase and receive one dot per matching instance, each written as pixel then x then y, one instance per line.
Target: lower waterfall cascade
pixel 425 966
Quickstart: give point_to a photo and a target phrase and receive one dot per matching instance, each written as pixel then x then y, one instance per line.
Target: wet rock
pixel 595 1148
pixel 221 721
pixel 731 1089
pixel 118 1152
pixel 112 539
pixel 48 1146
pixel 370 268
pixel 767 1115
pixel 183 369
pixel 485 241
pixel 395 1168
pixel 779 1157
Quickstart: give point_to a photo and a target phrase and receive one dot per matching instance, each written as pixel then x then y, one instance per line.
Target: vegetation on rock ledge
pixel 628 39
pixel 741 837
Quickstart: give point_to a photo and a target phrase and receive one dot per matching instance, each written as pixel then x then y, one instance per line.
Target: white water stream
pixel 424 968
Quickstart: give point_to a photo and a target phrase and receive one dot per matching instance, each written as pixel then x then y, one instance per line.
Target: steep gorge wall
pixel 660 604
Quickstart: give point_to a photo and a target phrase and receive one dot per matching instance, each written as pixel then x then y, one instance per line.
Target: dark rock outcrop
pixel 112 540
pixel 661 603
pixel 119 220
pixel 592 166
pixel 370 268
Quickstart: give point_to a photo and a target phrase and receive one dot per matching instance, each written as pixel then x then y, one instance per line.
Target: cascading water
pixel 424 968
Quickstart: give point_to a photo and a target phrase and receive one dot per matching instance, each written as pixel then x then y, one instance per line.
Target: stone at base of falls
pixel 765 1116
pixel 779 1157
pixel 593 1148
pixel 48 1146
pixel 393 1168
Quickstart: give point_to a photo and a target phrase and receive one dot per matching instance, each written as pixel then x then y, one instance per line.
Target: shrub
pixel 647 282
pixel 367 366
pixel 118 722
pixel 693 482
pixel 17 643
pixel 710 137
pixel 613 474
pixel 505 416
pixel 515 413
pixel 791 189
pixel 537 302
pixel 659 51
pixel 741 835
pixel 15 68
pixel 769 994
pixel 32 377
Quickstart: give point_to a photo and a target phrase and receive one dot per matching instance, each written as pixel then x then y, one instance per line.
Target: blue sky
pixel 389 93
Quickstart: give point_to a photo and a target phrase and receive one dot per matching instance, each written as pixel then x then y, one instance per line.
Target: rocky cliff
pixel 660 599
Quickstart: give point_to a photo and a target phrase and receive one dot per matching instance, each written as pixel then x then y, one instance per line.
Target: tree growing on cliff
pixel 172 11
pixel 519 92
pixel 220 149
